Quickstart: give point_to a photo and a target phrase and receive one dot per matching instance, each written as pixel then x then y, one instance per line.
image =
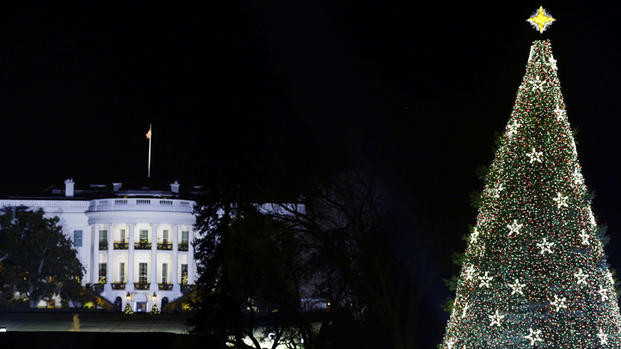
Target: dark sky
pixel 275 92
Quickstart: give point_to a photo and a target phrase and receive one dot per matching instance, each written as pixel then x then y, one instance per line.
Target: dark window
pixel 122 235
pixel 102 269
pixel 122 271
pixel 103 236
pixel 77 238
pixel 165 236
pixel 184 274
pixel 184 237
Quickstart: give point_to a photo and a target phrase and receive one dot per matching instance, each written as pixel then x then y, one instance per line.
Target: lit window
pixel 164 273
pixel 142 273
pixel 144 236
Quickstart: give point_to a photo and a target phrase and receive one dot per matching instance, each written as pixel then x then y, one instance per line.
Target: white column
pixel 153 258
pixel 130 259
pixel 191 257
pixel 175 261
pixel 94 255
pixel 110 259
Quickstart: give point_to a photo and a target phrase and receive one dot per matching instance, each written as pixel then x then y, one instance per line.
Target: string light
pixel 541 230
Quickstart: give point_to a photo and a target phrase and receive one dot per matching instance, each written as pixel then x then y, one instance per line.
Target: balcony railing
pixel 186 288
pixel 120 245
pixel 165 286
pixel 141 285
pixel 142 245
pixel 103 245
pixel 164 245
pixel 183 246
pixel 118 285
pixel 170 205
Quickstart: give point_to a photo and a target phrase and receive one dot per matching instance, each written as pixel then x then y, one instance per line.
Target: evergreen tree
pixel 534 272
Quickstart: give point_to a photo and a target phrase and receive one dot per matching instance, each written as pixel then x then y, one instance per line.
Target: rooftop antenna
pixel 149 136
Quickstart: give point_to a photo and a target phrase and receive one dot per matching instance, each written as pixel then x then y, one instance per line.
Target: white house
pixel 136 245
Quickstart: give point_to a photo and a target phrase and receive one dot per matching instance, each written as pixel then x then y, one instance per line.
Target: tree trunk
pixel 33 302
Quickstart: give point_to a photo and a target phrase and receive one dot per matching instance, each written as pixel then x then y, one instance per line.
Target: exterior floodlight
pixel 128 296
pixel 154 296
pixel 2 329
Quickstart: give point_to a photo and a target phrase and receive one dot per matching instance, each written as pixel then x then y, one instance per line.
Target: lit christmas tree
pixel 534 272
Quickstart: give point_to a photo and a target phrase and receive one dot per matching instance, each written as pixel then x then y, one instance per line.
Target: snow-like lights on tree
pixel 558 303
pixel 545 246
pixel 513 128
pixel 581 277
pixel 496 319
pixel 609 277
pixel 533 336
pixel 585 237
pixel 537 84
pixel 474 236
pixel 497 191
pixel 464 310
pixel 603 337
pixel 516 287
pixel 469 273
pixel 552 63
pixel 514 228
pixel 603 292
pixel 559 112
pixel 534 156
pixel 561 200
pixel 578 179
pixel 485 280
pixel 592 218
pixel 541 20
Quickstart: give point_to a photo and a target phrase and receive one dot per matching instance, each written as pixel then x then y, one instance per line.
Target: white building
pixel 136 245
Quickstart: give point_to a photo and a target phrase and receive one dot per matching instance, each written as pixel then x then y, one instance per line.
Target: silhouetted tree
pixel 39 260
pixel 333 243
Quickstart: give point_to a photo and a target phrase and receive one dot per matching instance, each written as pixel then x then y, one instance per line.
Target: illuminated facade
pixel 136 245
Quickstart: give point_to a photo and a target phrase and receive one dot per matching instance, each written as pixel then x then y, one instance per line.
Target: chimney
pixel 174 187
pixel 69 185
pixel 116 186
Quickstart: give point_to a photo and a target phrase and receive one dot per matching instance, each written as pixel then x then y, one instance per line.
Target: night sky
pixel 279 92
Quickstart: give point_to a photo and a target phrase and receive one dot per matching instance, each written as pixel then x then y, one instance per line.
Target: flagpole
pixel 149 162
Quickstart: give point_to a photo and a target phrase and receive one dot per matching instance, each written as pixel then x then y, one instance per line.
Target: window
pixel 122 272
pixel 77 238
pixel 102 269
pixel 184 274
pixel 103 236
pixel 184 237
pixel 122 235
pixel 144 235
pixel 142 273
pixel 165 236
pixel 164 273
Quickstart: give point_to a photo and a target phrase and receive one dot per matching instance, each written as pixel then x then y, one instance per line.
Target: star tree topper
pixel 541 20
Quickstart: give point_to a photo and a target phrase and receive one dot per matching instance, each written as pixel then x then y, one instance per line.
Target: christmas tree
pixel 534 271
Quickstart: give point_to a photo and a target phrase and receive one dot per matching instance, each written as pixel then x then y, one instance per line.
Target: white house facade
pixel 136 245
